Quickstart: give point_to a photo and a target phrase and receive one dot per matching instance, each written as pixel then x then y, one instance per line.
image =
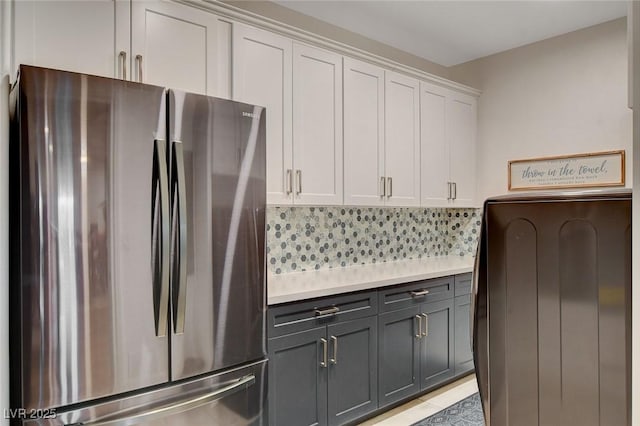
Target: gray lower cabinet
pixel 326 375
pixel 415 350
pixel 297 382
pixel 353 369
pixel 336 359
pixel 462 350
pixel 437 360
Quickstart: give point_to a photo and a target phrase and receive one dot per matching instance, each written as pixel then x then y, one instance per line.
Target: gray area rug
pixel 467 412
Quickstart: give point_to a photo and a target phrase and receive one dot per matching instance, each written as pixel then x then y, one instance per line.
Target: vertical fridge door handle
pixel 179 236
pixel 160 243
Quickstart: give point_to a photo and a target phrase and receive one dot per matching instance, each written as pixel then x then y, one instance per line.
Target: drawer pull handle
pixel 324 362
pixel 419 333
pixel 419 293
pixel 320 312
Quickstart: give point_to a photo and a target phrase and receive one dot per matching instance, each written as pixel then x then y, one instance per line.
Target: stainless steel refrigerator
pixel 137 254
pixel 551 314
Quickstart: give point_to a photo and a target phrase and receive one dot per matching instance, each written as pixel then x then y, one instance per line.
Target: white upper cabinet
pixel 77 36
pixel 402 140
pixel 448 127
pixel 262 76
pixel 435 149
pixel 317 126
pixel 364 180
pixel 461 128
pixel 158 42
pixel 174 45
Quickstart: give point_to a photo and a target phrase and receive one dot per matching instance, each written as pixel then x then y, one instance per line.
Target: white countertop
pixel 296 286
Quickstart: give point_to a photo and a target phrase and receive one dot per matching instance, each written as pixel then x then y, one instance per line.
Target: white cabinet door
pixel 434 146
pixel 402 140
pixel 363 133
pixel 174 45
pixel 317 125
pixel 77 36
pixel 461 130
pixel 262 76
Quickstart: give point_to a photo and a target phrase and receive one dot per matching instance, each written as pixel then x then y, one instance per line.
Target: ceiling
pixel 450 32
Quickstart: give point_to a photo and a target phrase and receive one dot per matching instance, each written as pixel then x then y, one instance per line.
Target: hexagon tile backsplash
pixel 307 238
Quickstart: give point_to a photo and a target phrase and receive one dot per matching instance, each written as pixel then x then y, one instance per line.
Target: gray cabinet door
pixel 462 343
pixel 399 355
pixel 297 380
pixel 437 346
pixel 353 369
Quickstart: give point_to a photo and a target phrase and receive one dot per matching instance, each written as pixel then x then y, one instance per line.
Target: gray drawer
pixel 463 284
pixel 300 316
pixel 415 293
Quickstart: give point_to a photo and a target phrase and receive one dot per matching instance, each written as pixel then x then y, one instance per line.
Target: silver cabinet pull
pixel 334 359
pixel 160 243
pixel 179 236
pixel 419 333
pixel 389 187
pixel 299 182
pixel 383 188
pixel 425 333
pixel 122 57
pixel 132 417
pixel 324 363
pixel 419 293
pixel 323 312
pixel 139 63
pixel 448 190
pixel 289 182
pixel 455 190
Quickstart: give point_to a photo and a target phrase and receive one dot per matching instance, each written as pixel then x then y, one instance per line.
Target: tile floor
pixel 426 405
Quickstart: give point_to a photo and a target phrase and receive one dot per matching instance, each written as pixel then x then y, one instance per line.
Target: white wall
pixel 563 95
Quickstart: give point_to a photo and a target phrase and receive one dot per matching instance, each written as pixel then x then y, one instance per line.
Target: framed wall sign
pixel 568 171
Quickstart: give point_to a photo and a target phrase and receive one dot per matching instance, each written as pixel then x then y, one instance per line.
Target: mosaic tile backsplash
pixel 307 238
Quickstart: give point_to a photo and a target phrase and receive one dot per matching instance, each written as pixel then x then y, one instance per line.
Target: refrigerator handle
pixel 179 237
pixel 167 410
pixel 160 243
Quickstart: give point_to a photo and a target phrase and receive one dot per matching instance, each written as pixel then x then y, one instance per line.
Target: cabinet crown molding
pixel 240 15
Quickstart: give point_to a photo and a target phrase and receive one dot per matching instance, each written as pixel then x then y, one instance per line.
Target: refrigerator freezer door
pixel 85 255
pixel 218 267
pixel 234 398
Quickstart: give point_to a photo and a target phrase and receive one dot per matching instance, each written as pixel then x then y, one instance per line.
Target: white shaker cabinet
pixel 77 36
pixel 301 87
pixel 157 41
pixel 317 126
pixel 262 75
pixel 175 45
pixel 402 140
pixel 461 130
pixel 364 180
pixel 448 127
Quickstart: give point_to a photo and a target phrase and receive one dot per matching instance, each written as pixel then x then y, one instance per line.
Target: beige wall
pixel 564 95
pixel 304 22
